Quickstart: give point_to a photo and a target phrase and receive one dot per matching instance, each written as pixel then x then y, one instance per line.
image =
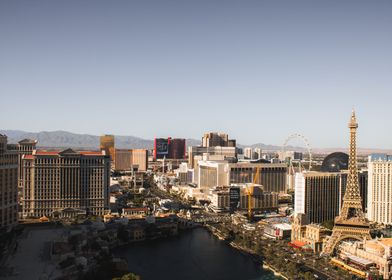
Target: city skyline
pixel 258 71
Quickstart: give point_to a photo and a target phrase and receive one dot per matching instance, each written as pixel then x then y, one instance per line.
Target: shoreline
pixel 265 265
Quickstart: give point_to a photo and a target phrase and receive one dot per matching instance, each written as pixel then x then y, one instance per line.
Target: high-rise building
pixel 380 188
pixel 272 176
pixel 214 139
pixel 231 143
pixel 222 173
pixel 65 183
pixel 177 148
pixel 25 147
pixel 8 185
pixel 107 144
pixel 317 196
pixel 169 148
pixel 248 153
pixel 196 151
pixel 140 159
pixel 123 160
pixel 258 153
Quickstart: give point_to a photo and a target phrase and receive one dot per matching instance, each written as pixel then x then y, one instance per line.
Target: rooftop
pixel 359 260
pixel 67 152
pixel 282 226
pixel 380 157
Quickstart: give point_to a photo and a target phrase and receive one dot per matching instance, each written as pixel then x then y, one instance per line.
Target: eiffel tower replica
pixel 351 223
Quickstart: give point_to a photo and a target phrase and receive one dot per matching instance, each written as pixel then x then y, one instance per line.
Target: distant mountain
pixel 64 139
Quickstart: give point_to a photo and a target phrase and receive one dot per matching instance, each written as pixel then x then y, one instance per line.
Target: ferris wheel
pixel 307 147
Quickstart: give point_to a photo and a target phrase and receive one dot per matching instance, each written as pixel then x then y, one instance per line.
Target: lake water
pixel 193 255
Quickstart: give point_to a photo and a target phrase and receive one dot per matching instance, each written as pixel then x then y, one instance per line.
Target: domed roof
pixel 335 162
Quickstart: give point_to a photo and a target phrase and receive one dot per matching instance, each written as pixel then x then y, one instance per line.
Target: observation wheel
pixel 300 162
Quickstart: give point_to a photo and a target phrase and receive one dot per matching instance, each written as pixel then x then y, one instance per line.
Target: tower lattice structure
pixel 351 223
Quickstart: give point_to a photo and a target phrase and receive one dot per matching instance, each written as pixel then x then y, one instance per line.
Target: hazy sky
pixel 258 70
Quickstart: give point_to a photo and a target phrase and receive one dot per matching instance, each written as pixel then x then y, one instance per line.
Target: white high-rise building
pixel 248 152
pixel 380 188
pixel 258 153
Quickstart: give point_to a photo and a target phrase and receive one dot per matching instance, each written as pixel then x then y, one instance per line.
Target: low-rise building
pixel 134 212
pixel 260 200
pixel 309 236
pixel 277 231
pixel 363 255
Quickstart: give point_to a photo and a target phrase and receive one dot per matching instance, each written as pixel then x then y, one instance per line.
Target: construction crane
pixel 250 193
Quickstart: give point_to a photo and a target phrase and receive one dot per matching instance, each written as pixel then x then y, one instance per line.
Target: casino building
pixel 8 185
pixel 65 183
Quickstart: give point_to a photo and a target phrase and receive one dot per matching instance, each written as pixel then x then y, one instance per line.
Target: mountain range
pixel 65 139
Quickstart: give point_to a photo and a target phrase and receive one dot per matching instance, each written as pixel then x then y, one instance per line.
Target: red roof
pixel 297 243
pixel 29 157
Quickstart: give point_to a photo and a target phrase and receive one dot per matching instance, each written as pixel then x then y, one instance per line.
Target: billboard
pixel 161 147
pixel 234 196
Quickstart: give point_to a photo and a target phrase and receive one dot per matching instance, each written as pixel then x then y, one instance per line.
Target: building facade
pixel 307 236
pixel 126 160
pixel 317 196
pixel 195 151
pixel 140 159
pixel 272 176
pixel 25 147
pixel 8 185
pixel 123 160
pixel 367 254
pixel 222 173
pixel 169 148
pixel 260 200
pixel 214 139
pixel 258 153
pixel 62 183
pixel 248 153
pixel 177 148
pixel 380 189
pixel 107 144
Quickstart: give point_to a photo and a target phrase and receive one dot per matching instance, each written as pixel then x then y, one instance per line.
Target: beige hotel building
pixel 8 185
pixel 65 183
pixel 379 201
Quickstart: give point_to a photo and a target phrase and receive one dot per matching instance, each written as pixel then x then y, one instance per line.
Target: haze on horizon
pixel 257 70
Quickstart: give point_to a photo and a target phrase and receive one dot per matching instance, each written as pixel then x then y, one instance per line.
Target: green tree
pixel 308 276
pixel 129 276
pixel 258 248
pixel 328 224
pixel 292 270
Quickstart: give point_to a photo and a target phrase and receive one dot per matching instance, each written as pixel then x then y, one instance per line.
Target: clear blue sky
pixel 258 70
